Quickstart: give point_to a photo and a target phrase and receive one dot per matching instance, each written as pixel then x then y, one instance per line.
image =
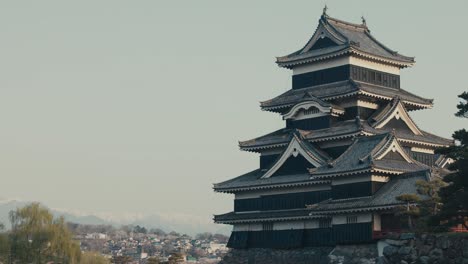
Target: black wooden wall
pixel 310 123
pixel 345 72
pixel 281 201
pixel 358 189
pixel 286 239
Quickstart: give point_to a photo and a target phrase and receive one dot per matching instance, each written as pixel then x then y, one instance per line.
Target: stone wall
pixel 406 249
pixel 427 249
pixel 316 255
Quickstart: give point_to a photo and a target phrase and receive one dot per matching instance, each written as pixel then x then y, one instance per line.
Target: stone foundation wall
pixel 427 249
pixel 276 256
pixel 406 249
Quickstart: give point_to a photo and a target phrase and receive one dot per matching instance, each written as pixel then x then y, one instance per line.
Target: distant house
pixel 96 236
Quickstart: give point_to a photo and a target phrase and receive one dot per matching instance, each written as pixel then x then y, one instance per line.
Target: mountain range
pixel 180 223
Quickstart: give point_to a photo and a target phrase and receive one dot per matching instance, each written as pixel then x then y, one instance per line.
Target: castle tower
pixel 348 149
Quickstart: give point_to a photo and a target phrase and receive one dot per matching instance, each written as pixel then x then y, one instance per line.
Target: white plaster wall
pixel 320 65
pixel 374 65
pixel 377 178
pixel 311 224
pixel 339 220
pixel 377 222
pixel 255 227
pixel 240 227
pixel 288 225
pixel 343 61
pixel 364 218
pixel 361 103
pixel 422 150
pixel 361 218
pixel 282 225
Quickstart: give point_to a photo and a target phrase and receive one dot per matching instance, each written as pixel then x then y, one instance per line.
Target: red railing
pixel 459 229
pixel 385 233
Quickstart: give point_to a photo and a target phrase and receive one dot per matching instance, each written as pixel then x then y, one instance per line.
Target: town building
pixel 349 147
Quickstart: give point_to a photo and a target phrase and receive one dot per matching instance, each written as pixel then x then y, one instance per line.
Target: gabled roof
pixel 425 139
pixel 254 181
pixel 342 89
pixel 367 154
pixel 343 38
pixel 394 109
pixel 341 130
pixel 384 198
pixel 279 138
pixel 298 146
pixel 309 101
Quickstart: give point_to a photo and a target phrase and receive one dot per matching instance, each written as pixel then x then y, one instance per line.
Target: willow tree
pixel 4 245
pixel 37 237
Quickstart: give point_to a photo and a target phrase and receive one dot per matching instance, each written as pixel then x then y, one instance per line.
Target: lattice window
pixel 325 223
pixel 352 219
pixel 267 226
pixel 311 111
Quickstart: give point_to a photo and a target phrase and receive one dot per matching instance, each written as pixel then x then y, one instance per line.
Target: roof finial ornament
pixel 363 19
pixel 325 8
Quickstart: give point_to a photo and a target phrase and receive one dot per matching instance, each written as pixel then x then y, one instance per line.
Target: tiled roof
pixel 295 96
pixel 344 129
pixel 385 196
pixel 340 89
pixel 253 180
pixel 350 39
pixel 362 156
pixel 311 149
pixel 262 216
pixel 383 199
pixel 282 136
pixel 425 139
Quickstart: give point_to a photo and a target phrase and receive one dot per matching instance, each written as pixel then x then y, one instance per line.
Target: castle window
pixel 325 223
pixel 351 219
pixel 267 226
pixel 379 77
pixel 311 111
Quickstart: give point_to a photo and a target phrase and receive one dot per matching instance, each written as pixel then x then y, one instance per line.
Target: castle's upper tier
pixel 335 39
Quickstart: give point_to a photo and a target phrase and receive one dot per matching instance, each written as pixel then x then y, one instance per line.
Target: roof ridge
pixel 346 23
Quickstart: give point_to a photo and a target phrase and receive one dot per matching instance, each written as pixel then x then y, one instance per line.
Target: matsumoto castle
pixel 348 149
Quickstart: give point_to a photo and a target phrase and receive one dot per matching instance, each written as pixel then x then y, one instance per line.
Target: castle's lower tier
pixel 338 234
pixel 363 228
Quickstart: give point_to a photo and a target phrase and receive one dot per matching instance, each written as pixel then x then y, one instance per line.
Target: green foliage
pixel 176 258
pixel 153 260
pixel 139 229
pixel 409 198
pixel 4 248
pixel 410 210
pixel 37 237
pixel 121 260
pixel 463 105
pixel 454 196
pixel 93 258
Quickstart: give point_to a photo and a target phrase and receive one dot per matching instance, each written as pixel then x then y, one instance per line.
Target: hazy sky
pixel 137 106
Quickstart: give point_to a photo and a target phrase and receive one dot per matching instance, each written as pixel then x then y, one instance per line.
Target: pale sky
pixel 137 106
